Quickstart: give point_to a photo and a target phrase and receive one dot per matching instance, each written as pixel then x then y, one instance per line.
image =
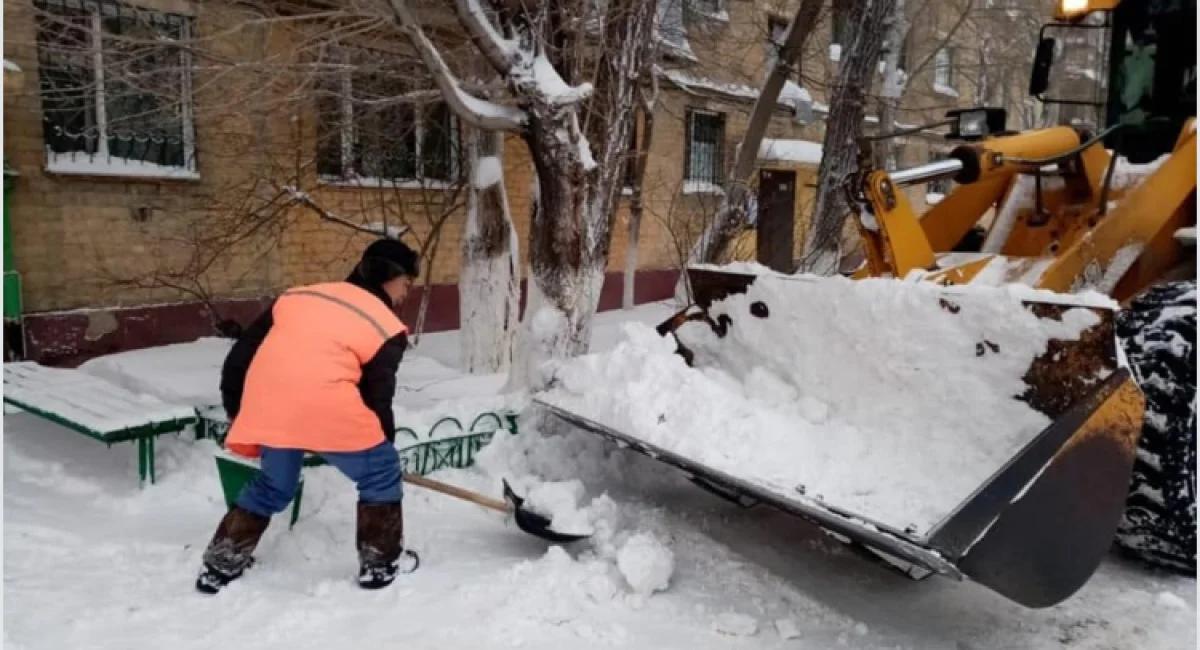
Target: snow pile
pixel 799 151
pixel 892 400
pixel 1127 175
pixel 734 624
pixel 559 502
pixel 646 564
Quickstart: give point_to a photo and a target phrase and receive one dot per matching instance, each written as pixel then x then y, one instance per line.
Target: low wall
pixel 67 339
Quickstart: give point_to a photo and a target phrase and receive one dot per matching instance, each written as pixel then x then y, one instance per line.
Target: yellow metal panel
pixel 946 223
pixel 1143 214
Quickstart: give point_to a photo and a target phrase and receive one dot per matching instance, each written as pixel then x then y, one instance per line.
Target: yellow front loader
pixel 1108 209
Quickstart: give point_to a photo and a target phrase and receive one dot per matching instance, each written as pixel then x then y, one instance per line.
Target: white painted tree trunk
pixel 489 285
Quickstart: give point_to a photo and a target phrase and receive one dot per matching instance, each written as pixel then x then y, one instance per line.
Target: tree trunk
pixel 566 260
pixel 489 286
pixel 859 61
pixel 893 83
pixel 637 205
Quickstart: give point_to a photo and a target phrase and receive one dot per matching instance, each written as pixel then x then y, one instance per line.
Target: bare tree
pixel 859 62
pixel 732 215
pixel 567 87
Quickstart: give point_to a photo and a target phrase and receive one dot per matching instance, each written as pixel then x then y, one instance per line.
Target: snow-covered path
pixel 92 562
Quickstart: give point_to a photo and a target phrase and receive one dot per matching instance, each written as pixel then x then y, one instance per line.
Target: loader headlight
pixel 976 123
pixel 1072 8
pixel 972 124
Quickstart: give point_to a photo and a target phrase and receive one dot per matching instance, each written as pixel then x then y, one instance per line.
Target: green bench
pixel 456 447
pixel 95 408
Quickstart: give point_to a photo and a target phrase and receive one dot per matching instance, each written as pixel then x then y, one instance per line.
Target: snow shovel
pixel 527 520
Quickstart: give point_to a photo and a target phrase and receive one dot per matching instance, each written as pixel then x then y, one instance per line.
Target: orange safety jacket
pixel 301 388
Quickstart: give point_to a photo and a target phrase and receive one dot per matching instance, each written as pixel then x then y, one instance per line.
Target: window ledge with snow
pixel 83 165
pixel 372 183
pixel 701 187
pixel 943 89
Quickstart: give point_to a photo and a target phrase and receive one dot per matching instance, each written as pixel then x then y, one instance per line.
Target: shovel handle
pixel 466 495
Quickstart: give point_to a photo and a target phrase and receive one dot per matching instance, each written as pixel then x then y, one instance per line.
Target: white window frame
pixel 943 71
pixel 347 135
pixel 102 163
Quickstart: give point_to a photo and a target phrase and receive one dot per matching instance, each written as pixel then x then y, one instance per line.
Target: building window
pixel 777 30
pixel 671 30
pixel 115 86
pixel 902 59
pixel 705 6
pixel 368 135
pixel 895 158
pixel 839 35
pixel 940 187
pixel 704 157
pixel 943 71
pixel 631 159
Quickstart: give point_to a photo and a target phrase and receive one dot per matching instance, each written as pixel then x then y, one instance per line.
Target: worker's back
pixel 301 389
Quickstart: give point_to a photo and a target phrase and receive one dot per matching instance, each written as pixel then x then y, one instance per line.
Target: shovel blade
pixel 534 523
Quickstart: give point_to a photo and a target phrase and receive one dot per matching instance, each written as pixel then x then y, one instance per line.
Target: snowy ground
pixel 92 562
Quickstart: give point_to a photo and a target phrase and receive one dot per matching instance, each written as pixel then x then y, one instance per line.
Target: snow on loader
pixel 1111 212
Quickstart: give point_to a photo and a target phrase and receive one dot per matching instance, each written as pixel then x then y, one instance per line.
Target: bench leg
pixel 146 460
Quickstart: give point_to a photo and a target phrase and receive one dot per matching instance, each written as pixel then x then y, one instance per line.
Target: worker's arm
pixel 378 384
pixel 237 362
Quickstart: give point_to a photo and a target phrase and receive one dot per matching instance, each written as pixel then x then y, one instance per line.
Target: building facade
pixel 161 188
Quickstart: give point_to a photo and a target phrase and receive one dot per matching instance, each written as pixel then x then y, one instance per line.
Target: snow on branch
pixel 381 229
pixel 498 50
pixel 536 72
pixel 474 111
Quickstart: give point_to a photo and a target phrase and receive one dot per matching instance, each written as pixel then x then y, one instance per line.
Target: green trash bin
pixel 235 471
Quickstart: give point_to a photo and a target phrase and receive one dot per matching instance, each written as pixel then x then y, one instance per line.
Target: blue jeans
pixel 376 471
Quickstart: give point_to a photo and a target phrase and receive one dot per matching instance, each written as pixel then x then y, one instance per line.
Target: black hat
pixel 387 259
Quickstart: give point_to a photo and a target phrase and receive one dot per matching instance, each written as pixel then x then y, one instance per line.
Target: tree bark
pixel 489 286
pixel 855 75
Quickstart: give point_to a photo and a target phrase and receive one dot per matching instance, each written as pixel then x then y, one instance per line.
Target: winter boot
pixel 380 542
pixel 229 552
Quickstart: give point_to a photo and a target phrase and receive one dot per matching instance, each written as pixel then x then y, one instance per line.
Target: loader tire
pixel 1158 334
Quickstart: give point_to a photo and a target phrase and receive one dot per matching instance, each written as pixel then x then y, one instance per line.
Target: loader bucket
pixel 1031 521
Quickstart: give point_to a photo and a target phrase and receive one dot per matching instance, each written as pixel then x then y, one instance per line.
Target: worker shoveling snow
pixel 889 400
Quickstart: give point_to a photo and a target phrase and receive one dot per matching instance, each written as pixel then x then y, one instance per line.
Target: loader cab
pixel 1134 65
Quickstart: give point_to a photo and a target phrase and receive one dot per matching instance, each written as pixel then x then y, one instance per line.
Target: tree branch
pixel 476 112
pixel 497 49
pixel 304 199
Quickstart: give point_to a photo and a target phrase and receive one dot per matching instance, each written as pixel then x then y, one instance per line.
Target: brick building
pixel 125 233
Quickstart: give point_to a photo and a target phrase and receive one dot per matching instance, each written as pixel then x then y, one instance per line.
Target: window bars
pixel 115 85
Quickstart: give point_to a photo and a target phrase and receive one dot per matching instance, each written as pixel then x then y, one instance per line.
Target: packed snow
pixel 799 151
pixel 91 561
pixel 646 564
pixel 815 413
